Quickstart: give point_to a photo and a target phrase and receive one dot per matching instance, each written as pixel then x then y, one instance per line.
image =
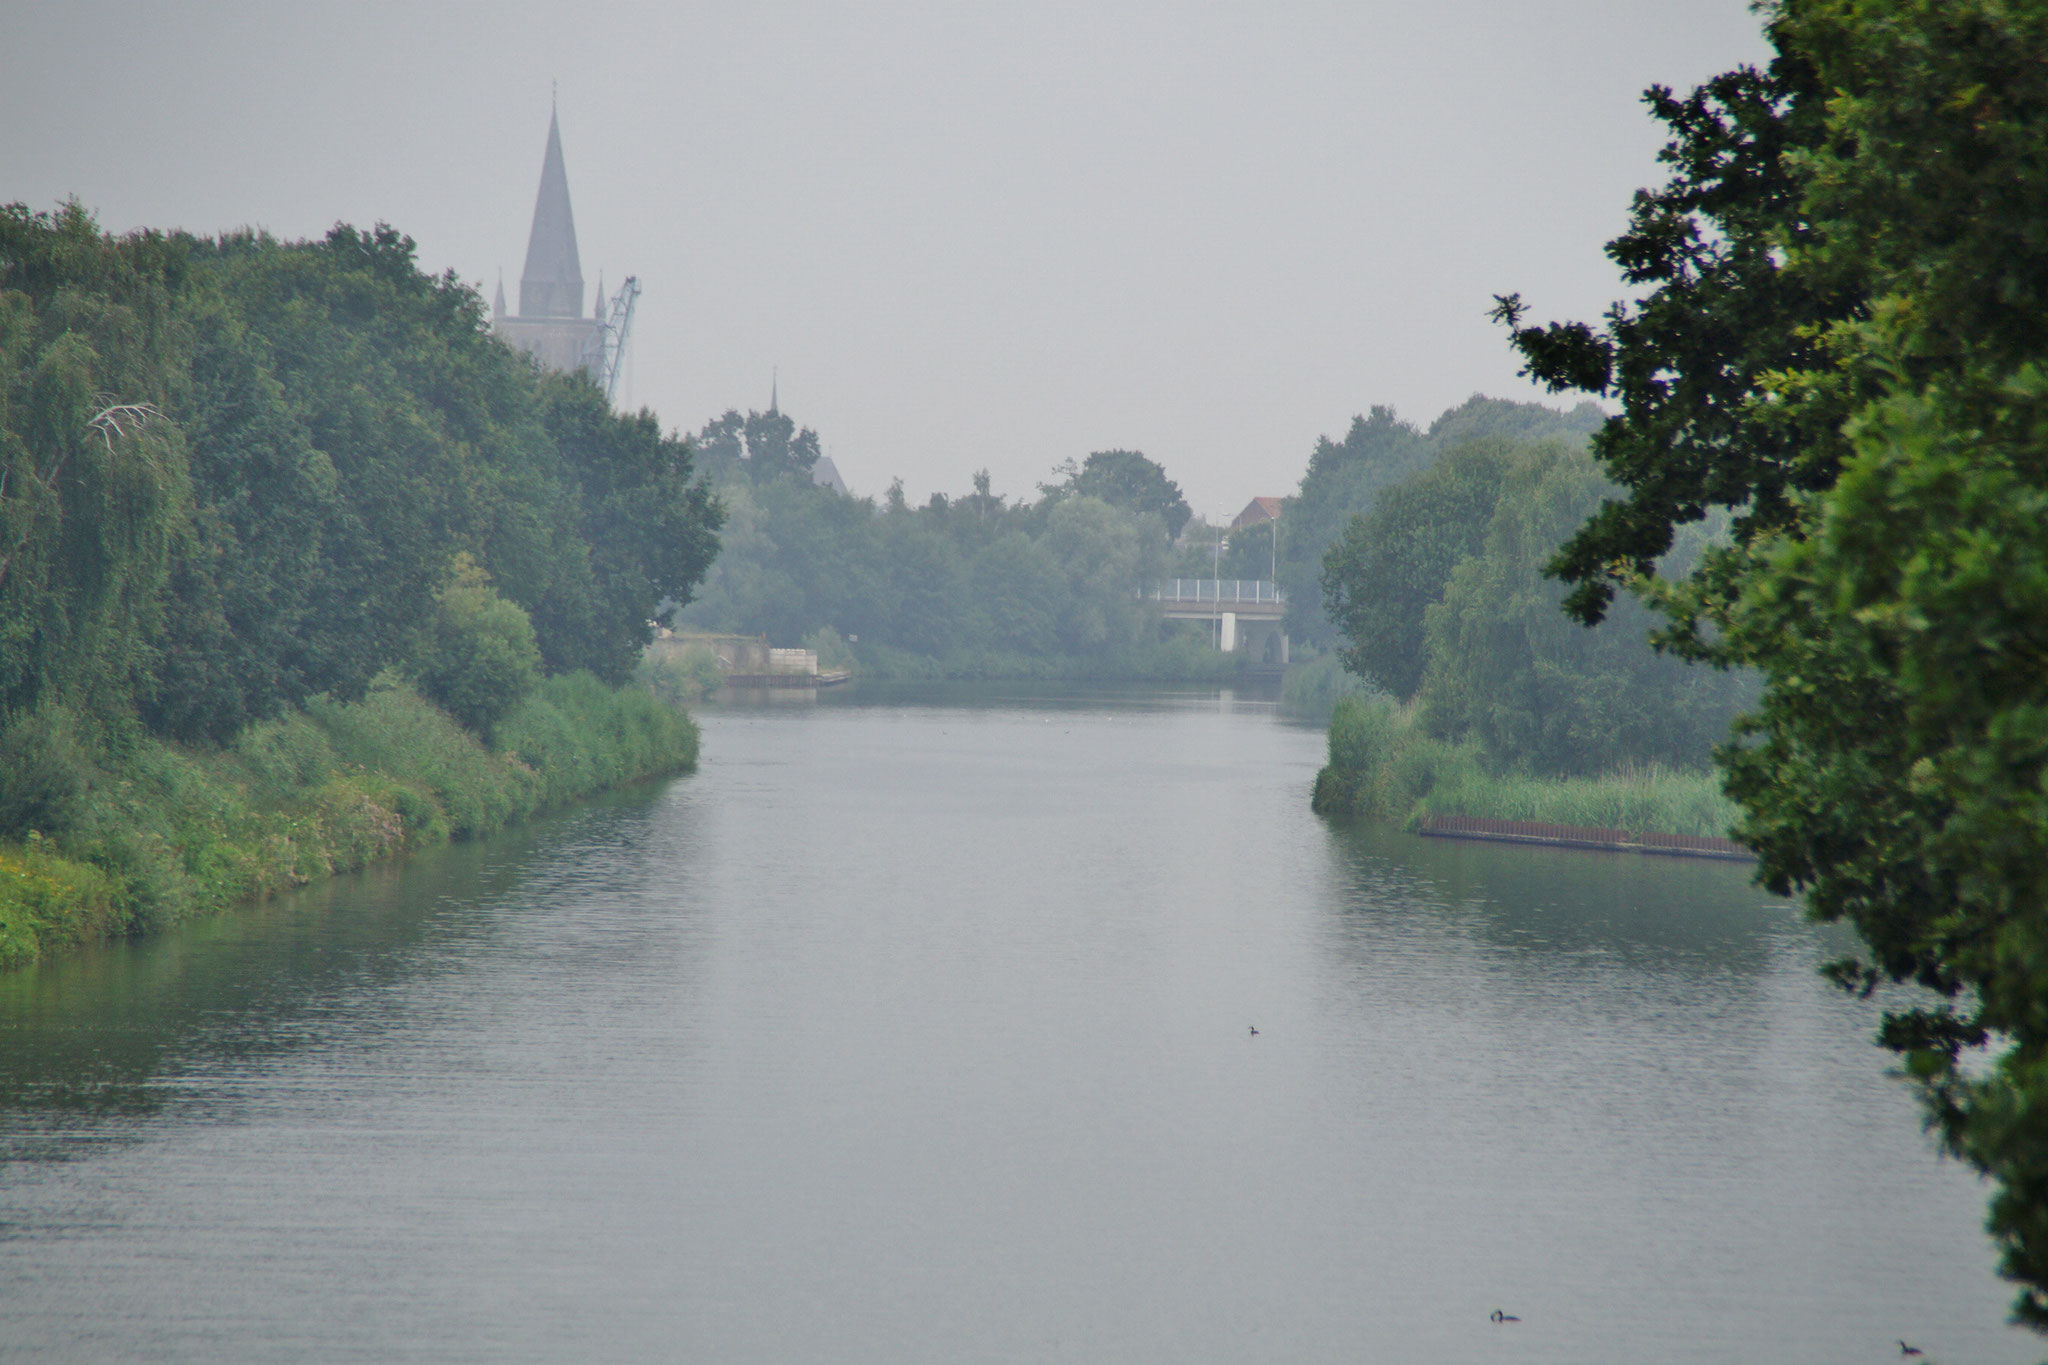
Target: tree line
pixel 238 473
pixel 973 584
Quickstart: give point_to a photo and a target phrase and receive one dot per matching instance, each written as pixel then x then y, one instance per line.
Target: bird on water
pixel 1497 1316
pixel 1255 1030
pixel 1906 1350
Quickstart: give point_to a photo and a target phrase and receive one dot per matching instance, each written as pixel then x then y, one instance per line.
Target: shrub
pixel 575 735
pixel 476 657
pixel 43 772
pixel 396 732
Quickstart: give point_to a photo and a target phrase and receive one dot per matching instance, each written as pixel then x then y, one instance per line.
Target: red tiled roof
pixel 1256 511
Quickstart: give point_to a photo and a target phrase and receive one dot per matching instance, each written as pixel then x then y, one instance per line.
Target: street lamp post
pixel 1216 582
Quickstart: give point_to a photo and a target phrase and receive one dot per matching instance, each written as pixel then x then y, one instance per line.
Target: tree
pixel 233 473
pixel 651 528
pixel 1126 479
pixel 1344 479
pixel 970 584
pixel 1392 563
pixel 245 563
pixel 476 658
pixel 1843 343
pixel 1504 666
pixel 767 445
pixel 94 477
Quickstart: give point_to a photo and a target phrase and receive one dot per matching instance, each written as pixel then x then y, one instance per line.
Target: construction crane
pixel 607 348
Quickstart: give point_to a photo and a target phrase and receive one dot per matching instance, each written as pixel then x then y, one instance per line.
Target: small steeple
pixel 498 303
pixel 598 311
pixel 552 284
pixel 774 377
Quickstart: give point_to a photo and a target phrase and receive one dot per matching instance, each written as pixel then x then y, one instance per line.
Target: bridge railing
pixel 1222 591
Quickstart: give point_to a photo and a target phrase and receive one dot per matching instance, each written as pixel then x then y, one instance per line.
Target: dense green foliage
pixel 977 585
pixel 1505 667
pixel 234 474
pixel 1844 341
pixel 1126 479
pixel 476 658
pixel 160 832
pixel 1345 478
pixel 1442 592
pixel 1380 578
pixel 242 480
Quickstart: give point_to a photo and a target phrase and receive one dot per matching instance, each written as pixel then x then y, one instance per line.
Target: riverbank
pixel 159 833
pixel 1383 765
pixel 1184 658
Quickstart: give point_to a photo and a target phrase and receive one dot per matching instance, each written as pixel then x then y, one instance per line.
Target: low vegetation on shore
pixel 1384 765
pixel 155 832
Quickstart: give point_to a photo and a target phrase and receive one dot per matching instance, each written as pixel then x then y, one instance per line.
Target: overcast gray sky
pixel 968 235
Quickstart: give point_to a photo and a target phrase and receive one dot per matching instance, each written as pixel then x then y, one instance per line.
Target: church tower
pixel 551 324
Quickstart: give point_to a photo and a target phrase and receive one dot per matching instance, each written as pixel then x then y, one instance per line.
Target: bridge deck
pixel 1203 611
pixel 1187 599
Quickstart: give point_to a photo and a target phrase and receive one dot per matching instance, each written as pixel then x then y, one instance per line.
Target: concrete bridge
pixel 1244 613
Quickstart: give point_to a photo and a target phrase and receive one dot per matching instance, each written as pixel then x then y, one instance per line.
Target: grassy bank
pixel 155 833
pixel 1384 765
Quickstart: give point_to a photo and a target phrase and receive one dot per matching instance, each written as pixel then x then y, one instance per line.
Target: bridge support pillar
pixel 1226 640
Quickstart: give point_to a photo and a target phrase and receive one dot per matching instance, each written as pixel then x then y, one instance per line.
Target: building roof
pixel 552 284
pixel 1256 511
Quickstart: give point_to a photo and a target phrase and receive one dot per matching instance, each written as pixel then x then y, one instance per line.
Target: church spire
pixel 552 284
pixel 774 382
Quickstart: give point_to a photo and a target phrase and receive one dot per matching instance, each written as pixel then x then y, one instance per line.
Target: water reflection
pixel 95 1043
pixel 915 1028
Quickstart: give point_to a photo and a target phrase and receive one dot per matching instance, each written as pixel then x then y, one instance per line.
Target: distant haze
pixel 967 235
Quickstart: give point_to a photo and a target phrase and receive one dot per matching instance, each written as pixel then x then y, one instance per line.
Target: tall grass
pixel 1384 765
pixel 163 832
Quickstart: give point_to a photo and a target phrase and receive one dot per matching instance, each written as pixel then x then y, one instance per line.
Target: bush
pixel 575 735
pixel 42 772
pixel 396 732
pixel 476 657
pixel 46 900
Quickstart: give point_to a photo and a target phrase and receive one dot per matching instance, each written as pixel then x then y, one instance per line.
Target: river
pixel 916 1027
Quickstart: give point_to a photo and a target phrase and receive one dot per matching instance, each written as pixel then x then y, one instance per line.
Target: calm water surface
pixel 915 1029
